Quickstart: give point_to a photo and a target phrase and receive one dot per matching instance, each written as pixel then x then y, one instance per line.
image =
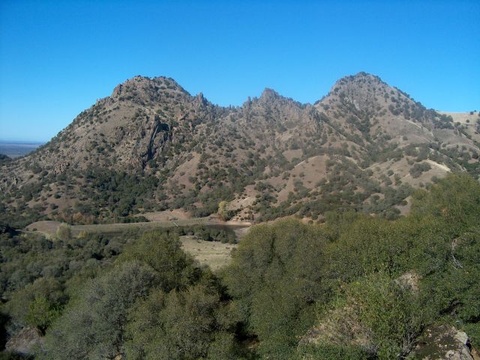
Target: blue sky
pixel 58 57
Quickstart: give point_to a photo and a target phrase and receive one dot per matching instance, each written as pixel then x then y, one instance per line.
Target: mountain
pixel 152 146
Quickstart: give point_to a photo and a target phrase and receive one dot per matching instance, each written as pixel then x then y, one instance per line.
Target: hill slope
pixel 153 146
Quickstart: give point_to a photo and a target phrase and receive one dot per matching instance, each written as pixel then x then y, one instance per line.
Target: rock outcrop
pixel 443 342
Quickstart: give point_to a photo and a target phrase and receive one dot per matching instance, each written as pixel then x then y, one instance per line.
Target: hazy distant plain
pixel 16 149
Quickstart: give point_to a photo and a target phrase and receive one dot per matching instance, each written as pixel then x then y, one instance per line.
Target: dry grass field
pixel 48 228
pixel 212 253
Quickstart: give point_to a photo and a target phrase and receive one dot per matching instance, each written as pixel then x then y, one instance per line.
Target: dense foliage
pixel 355 287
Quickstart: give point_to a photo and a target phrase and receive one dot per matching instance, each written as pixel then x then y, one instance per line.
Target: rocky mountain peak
pixel 269 95
pixel 360 82
pixel 200 100
pixel 361 78
pixel 144 89
pixel 361 90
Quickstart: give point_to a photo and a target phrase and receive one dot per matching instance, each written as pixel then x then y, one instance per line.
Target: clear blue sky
pixel 58 57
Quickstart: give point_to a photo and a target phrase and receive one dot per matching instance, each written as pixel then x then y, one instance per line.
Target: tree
pixel 275 277
pixel 162 252
pixel 455 199
pixel 93 327
pixel 223 211
pixel 375 317
pixel 179 325
pixel 38 303
pixel 64 232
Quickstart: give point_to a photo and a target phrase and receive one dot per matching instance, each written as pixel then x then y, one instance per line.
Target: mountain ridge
pixel 364 145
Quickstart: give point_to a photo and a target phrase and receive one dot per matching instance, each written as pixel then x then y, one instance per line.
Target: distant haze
pixel 15 149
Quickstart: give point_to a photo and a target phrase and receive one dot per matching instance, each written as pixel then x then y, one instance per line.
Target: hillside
pixel 354 287
pixel 152 146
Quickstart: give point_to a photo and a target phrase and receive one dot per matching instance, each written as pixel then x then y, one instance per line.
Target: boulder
pixel 444 342
pixel 25 341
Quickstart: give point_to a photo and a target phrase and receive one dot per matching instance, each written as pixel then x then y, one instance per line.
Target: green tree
pixel 162 252
pixel 455 199
pixel 274 278
pixel 37 304
pixel 179 325
pixel 64 232
pixel 374 317
pixel 93 327
pixel 365 246
pixel 41 313
pixel 223 211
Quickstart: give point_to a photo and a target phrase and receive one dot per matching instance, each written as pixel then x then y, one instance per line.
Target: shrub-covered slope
pixel 356 287
pixel 153 146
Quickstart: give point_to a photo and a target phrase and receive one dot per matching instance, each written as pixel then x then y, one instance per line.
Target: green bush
pixel 274 278
pixel 94 326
